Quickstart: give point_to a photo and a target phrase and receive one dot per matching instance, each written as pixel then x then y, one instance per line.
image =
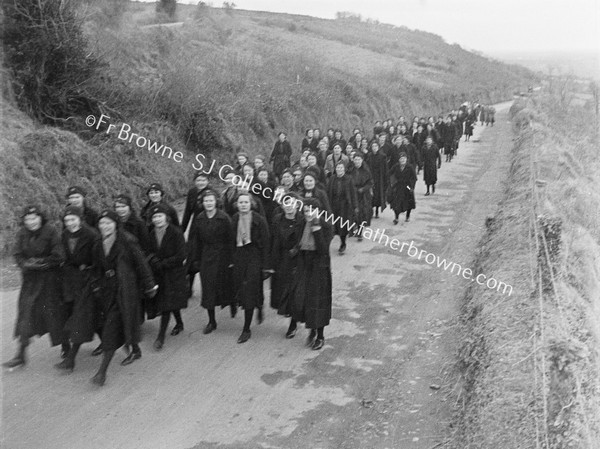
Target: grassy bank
pixel 529 362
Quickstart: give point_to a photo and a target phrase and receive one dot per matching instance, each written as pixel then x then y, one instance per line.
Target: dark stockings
pixel 248 319
pixel 211 316
pixel 106 358
pixel 408 214
pixel 320 333
pixel 164 322
pixel 293 325
pixel 177 316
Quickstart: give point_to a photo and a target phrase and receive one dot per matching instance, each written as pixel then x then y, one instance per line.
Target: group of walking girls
pixel 106 273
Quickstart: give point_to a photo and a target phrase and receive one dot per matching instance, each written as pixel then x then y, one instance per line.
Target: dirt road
pixel 391 340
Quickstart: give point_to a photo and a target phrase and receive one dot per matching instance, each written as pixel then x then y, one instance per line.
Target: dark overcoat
pixel 77 279
pixel 40 310
pixel 167 263
pixel 342 197
pixel 280 157
pixel 402 191
pixel 286 234
pixel 379 171
pixel 312 293
pixel 363 184
pixel 249 261
pixel 431 160
pixel 212 251
pixel 122 274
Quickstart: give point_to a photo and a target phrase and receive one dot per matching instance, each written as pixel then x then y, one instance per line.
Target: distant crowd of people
pixel 106 273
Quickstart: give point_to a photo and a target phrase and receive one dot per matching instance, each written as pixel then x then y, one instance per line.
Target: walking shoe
pixel 342 248
pixel 427 193
pixel 97 351
pixel 133 356
pixel 99 379
pixel 67 365
pixel 311 337
pixel 291 333
pixel 14 362
pixel 209 328
pixel 244 337
pixel 395 221
pixel 319 343
pixel 158 344
pixel 359 238
pixel 177 329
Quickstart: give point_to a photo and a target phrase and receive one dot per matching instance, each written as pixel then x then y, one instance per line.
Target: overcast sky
pixel 485 25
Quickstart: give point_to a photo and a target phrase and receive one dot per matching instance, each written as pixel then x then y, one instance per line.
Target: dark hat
pixel 200 173
pixel 73 190
pixel 242 153
pixel 124 199
pixel 32 210
pixel 261 157
pixel 109 213
pixel 73 210
pixel 155 186
pixel 159 209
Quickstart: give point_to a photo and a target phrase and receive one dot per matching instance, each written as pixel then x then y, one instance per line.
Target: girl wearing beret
pixel 156 195
pixel 78 240
pixel 76 197
pixel 122 272
pixel 167 256
pixel 39 254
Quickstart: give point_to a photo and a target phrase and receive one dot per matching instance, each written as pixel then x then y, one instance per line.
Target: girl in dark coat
pixel 156 195
pixel 432 160
pixel 342 197
pixel 251 241
pixel 39 254
pixel 131 222
pixel 193 207
pixel 403 190
pixel 78 241
pixel 242 159
pixel 76 197
pixel 267 187
pixel 310 189
pixel 281 155
pixel 363 183
pixel 312 293
pixel 122 271
pixel 379 171
pixel 193 203
pixel 211 253
pixel 168 253
pixel 287 231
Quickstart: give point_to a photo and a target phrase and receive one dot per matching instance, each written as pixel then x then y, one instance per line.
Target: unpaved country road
pixel 392 337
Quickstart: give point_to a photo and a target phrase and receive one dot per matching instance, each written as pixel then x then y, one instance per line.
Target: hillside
pixel 223 80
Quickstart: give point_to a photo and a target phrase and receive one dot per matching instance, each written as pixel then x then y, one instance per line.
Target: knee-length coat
pixel 342 197
pixel 280 156
pixel 431 161
pixel 402 191
pixel 284 257
pixel 76 281
pixel 211 254
pixel 249 261
pixel 167 263
pixel 312 293
pixel 40 310
pixel 121 274
pixel 379 170
pixel 363 184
